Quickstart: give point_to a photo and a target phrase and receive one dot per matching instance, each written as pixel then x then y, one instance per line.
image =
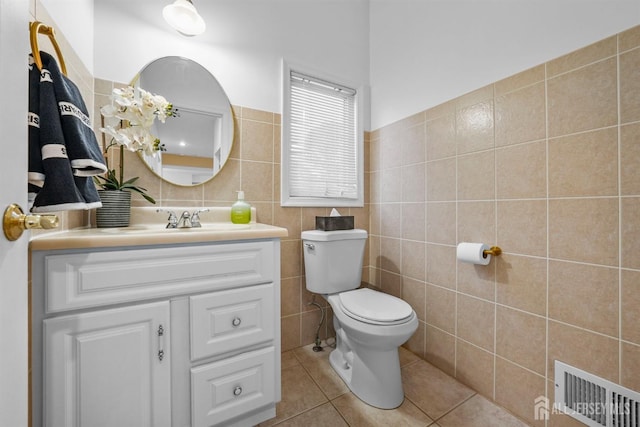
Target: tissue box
pixel 332 223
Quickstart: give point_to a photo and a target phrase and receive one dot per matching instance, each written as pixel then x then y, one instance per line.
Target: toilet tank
pixel 333 259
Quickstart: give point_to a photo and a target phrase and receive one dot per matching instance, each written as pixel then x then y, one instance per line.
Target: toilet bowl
pixel 366 354
pixel 369 325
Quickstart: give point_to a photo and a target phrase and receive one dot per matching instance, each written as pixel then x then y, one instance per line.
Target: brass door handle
pixel 15 221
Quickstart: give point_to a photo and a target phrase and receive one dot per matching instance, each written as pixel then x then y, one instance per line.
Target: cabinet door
pixel 108 368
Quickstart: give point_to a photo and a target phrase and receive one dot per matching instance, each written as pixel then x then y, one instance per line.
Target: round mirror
pixel 198 141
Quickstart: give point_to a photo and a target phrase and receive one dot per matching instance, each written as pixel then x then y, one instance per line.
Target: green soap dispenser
pixel 241 210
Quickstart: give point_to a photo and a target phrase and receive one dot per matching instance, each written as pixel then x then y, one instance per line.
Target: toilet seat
pixel 373 307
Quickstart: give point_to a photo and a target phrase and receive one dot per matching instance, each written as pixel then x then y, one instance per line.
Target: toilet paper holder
pixel 476 253
pixel 493 250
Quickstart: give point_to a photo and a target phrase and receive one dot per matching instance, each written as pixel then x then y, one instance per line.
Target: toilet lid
pixel 368 305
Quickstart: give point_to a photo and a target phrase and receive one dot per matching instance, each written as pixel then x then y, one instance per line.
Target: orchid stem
pixel 121 165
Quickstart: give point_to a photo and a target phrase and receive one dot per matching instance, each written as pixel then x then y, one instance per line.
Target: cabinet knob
pixel 237 391
pixel 236 321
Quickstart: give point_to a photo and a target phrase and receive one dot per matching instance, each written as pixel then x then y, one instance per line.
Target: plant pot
pixel 115 210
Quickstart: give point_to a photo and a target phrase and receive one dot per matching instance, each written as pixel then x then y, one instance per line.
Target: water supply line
pixel 317 347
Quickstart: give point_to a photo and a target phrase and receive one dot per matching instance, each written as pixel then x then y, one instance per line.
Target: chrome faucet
pixel 186 220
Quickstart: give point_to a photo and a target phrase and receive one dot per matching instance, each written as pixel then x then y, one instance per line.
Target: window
pixel 322 147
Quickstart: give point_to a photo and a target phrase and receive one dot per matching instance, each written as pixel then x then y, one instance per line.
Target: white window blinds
pixel 323 143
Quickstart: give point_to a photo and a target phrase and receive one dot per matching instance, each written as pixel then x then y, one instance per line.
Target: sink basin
pixel 160 228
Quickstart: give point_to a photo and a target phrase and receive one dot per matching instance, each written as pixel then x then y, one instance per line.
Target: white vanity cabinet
pixel 164 335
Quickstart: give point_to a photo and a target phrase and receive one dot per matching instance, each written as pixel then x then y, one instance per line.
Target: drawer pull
pixel 237 391
pixel 236 322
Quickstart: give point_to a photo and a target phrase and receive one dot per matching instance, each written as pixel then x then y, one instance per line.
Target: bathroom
pixel 516 176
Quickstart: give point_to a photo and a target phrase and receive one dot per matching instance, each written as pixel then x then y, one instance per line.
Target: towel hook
pixel 37 27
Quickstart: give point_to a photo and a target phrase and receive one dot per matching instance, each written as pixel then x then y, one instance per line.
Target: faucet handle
pixel 172 220
pixel 195 217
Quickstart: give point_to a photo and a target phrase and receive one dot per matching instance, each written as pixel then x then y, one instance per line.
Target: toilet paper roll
pixel 473 253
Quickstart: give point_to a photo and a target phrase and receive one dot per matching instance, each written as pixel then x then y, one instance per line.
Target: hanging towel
pixel 36 170
pixel 50 173
pixel 63 151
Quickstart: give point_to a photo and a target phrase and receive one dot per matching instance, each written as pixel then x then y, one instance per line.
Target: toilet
pixel 369 325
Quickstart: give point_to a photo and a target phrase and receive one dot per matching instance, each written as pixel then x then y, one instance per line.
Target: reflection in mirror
pixel 198 142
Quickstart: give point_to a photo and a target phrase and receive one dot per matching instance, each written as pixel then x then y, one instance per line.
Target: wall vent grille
pixel 594 400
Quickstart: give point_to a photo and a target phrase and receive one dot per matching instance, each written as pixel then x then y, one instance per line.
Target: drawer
pixel 80 280
pixel 223 390
pixel 229 320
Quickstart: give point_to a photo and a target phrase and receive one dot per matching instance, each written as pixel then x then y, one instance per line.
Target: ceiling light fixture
pixel 184 18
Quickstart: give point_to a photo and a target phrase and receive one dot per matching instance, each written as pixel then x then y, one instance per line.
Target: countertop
pixel 142 235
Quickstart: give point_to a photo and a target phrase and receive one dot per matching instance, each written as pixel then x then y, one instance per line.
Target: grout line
pixel 338 411
pixel 240 150
pixel 580 67
pixel 531 371
pixel 495 262
pixel 518 144
pixel 457 406
pixel 546 332
pixel 583 329
pixel 581 132
pixel 455 324
pixel 300 413
pixel 635 344
pixel 620 313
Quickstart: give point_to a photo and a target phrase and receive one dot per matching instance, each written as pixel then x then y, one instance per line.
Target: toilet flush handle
pixel 310 246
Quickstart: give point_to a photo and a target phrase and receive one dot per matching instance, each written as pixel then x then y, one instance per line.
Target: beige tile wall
pixel 546 165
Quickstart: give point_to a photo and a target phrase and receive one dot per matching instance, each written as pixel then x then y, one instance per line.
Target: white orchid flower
pixel 136 109
pixel 118 135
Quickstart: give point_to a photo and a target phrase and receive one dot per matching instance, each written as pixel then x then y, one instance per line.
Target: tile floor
pixel 313 395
